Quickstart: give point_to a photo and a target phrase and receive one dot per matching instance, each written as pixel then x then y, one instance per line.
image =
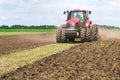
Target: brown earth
pixel 98 60
pixel 88 61
pixel 15 43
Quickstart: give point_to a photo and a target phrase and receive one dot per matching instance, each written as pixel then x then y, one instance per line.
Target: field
pixel 27 30
pixel 47 60
pixel 24 31
pixel 24 41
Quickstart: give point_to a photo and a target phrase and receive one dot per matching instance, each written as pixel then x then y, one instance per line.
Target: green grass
pixel 24 31
pixel 27 30
pixel 15 60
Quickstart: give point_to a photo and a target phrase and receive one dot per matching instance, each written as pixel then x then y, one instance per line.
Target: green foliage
pixel 109 27
pixel 28 27
pixel 27 30
pixel 4 27
pixel 18 27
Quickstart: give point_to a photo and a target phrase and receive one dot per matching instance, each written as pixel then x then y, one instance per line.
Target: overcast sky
pixel 40 12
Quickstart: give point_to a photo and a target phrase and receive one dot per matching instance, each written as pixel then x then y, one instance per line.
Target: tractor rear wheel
pixel 58 35
pixel 95 34
pixel 63 37
pixel 88 35
pixel 82 34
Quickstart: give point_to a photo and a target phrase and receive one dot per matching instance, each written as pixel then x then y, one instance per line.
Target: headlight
pixel 86 24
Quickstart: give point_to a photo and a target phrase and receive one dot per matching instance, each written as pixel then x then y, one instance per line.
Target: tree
pixel 4 27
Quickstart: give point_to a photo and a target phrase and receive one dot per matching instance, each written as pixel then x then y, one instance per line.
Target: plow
pixel 78 26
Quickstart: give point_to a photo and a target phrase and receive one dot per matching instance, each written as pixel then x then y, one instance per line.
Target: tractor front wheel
pixel 82 34
pixel 88 35
pixel 95 34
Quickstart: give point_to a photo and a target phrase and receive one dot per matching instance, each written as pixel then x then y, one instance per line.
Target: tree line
pixel 28 27
pixel 109 27
pixel 46 27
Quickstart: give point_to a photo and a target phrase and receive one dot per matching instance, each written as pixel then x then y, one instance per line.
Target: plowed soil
pixel 98 60
pixel 88 61
pixel 15 43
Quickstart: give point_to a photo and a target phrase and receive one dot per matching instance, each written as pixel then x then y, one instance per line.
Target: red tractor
pixel 78 26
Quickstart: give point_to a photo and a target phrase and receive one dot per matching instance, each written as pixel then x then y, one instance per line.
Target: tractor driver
pixel 78 16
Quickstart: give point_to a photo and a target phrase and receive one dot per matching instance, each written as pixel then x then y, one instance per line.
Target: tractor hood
pixel 73 20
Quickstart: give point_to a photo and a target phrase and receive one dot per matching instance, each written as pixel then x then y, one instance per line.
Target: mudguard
pixel 88 23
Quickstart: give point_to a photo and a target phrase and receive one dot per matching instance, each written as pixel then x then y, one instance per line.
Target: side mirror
pixel 64 12
pixel 89 12
pixel 67 11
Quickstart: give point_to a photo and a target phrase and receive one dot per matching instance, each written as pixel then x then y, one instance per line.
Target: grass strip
pixel 24 31
pixel 27 30
pixel 15 60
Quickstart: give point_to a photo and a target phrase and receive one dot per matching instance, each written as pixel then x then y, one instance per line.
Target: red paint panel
pixel 88 23
pixel 73 20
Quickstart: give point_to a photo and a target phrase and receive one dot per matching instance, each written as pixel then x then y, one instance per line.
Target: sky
pixel 50 12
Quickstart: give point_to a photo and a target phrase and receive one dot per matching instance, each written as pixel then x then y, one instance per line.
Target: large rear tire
pixel 82 34
pixel 63 37
pixel 58 35
pixel 88 36
pixel 95 34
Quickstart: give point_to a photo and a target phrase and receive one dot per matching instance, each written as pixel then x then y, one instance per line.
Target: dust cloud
pixel 109 34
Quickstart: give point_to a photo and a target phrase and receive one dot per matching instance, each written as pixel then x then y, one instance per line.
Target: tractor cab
pixel 82 15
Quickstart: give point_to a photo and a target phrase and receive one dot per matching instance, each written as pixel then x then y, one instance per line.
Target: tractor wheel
pixel 88 35
pixel 58 35
pixel 63 37
pixel 82 34
pixel 95 34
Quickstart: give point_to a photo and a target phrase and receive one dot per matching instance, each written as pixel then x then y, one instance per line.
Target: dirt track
pixel 14 43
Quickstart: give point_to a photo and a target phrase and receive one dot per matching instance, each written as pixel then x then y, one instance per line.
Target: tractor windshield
pixel 79 15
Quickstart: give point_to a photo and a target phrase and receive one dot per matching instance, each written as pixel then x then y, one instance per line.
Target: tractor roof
pixel 78 10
